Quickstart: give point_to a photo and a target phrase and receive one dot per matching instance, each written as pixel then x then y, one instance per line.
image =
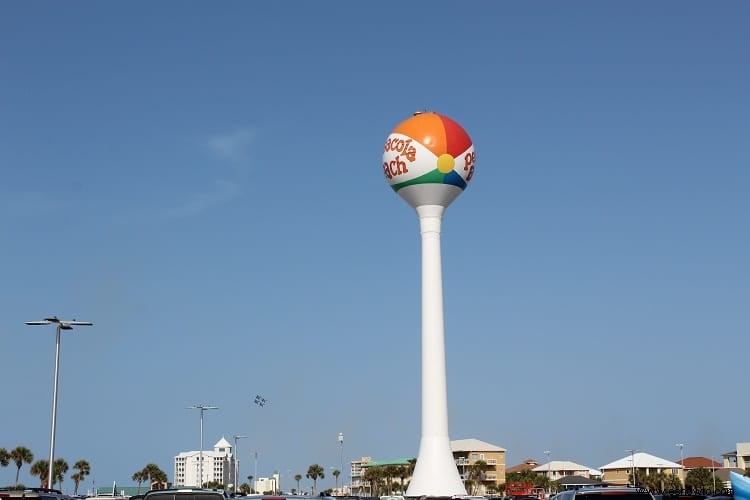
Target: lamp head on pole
pixel 63 325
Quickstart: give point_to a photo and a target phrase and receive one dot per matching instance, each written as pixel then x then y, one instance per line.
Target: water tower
pixel 429 160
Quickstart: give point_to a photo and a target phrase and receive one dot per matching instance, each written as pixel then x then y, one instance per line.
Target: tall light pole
pixel 428 160
pixel 236 462
pixel 61 325
pixel 682 460
pixel 341 457
pixel 713 472
pixel 255 477
pixel 549 472
pixel 202 409
pixel 632 460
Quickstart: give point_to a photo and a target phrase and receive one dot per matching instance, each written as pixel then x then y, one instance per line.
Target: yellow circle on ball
pixel 445 163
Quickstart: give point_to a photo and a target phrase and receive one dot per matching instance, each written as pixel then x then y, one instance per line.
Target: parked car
pixel 186 494
pixel 605 493
pixel 32 494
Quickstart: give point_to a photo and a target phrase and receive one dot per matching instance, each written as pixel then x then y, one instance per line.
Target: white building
pixel 558 469
pixel 218 465
pixel 267 484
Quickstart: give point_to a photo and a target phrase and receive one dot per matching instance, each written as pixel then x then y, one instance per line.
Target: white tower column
pixel 435 473
pixel 428 160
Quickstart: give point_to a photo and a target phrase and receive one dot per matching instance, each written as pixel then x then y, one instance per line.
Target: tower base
pixel 435 474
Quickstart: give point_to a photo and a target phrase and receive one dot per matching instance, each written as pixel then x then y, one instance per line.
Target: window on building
pixel 474 456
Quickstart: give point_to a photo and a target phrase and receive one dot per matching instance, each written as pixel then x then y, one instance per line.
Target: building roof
pixel 564 465
pixel 473 445
pixel 206 453
pixel 695 462
pixel 223 443
pixel 393 461
pixel 577 481
pixel 641 460
pixel 527 464
pixel 723 474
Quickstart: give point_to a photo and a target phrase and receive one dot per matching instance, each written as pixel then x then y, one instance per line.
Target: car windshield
pixel 631 495
pixel 186 496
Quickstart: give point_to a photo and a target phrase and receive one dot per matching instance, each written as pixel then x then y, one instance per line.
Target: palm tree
pixel 250 478
pixel 154 473
pixel 139 477
pixel 477 473
pixel 700 479
pixel 336 473
pixel 390 471
pixel 4 457
pixel 298 478
pixel 314 472
pixel 83 469
pixel 374 475
pixel 40 468
pixel 20 455
pixel 59 470
pixel 77 477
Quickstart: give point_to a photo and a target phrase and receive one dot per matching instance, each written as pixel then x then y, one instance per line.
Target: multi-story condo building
pixel 468 452
pixel 558 469
pixel 358 485
pixel 619 472
pixel 218 465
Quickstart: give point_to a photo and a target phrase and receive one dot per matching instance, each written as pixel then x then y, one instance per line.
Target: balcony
pixel 462 461
pixel 491 461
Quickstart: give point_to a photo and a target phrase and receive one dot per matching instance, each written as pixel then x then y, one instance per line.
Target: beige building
pixel 738 458
pixel 467 452
pixel 619 471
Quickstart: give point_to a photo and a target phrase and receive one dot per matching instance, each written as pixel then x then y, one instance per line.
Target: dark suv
pixel 32 494
pixel 605 493
pixel 186 494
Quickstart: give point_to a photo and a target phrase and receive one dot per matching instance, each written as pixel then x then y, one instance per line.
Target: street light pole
pixel 61 325
pixel 713 473
pixel 341 457
pixel 682 460
pixel 236 462
pixel 549 473
pixel 202 409
pixel 255 477
pixel 632 460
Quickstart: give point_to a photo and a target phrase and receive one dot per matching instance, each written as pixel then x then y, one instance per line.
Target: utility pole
pixel 632 460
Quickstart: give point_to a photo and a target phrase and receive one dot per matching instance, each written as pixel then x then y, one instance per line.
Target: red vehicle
pixel 520 489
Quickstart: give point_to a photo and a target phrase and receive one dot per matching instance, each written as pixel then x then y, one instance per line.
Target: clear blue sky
pixel 203 181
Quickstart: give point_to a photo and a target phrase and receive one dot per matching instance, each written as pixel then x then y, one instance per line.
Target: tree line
pixel 150 474
pixel 21 455
pixel 699 479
